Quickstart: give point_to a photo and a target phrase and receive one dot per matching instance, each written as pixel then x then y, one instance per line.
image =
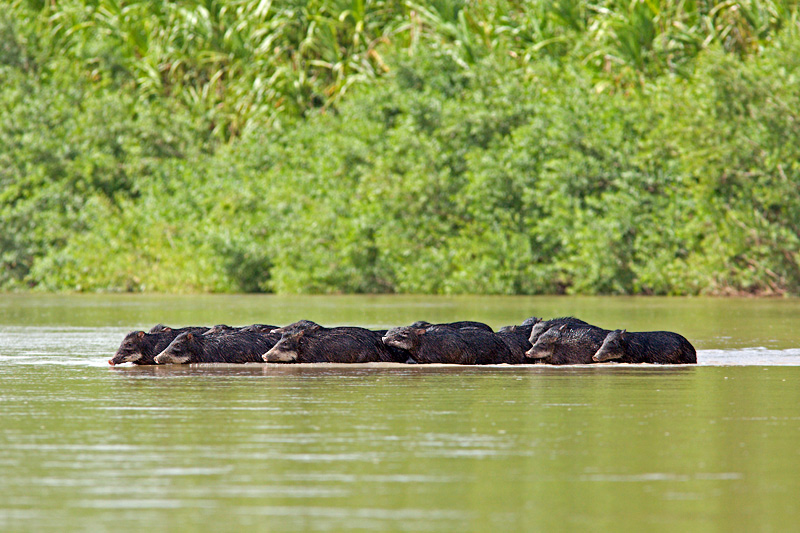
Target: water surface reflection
pixel 328 447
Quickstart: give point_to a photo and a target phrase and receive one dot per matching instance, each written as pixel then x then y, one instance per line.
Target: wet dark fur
pixel 540 326
pixel 149 344
pixel 657 347
pixel 421 324
pixel 516 338
pixel 443 344
pixel 300 325
pixel 333 345
pixel 224 347
pixel 255 328
pixel 573 345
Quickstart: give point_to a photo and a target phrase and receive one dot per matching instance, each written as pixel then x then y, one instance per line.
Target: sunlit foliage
pixel 394 146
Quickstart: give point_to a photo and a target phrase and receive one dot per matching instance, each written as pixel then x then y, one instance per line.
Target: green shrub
pixel 451 147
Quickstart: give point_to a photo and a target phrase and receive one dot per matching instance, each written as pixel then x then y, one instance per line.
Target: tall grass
pixel 235 60
pixel 502 146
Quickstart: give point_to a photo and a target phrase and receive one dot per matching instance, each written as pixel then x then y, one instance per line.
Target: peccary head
pixel 545 344
pixel 300 325
pixel 262 329
pixel 461 324
pixel 526 326
pixel 179 350
pixel 131 349
pixel 532 321
pixel 613 347
pixel 219 328
pixel 287 350
pixel 538 328
pixel 404 337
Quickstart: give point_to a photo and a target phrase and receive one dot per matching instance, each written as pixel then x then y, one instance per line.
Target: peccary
pixel 530 321
pixel 443 344
pixel 222 347
pixel 300 325
pixel 220 328
pixel 398 355
pixel 254 328
pixel 516 338
pixel 140 348
pixel 567 345
pixel 659 347
pixel 421 324
pixel 316 344
pixel 540 326
pixel 261 328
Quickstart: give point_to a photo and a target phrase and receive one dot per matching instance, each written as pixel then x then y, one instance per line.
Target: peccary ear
pixel 140 334
pixel 189 336
pixel 420 331
pixel 623 332
pixel 563 328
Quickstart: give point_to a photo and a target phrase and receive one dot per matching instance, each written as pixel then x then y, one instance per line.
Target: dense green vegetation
pixel 453 146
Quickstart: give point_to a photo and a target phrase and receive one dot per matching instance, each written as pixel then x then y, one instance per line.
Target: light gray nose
pixel 531 355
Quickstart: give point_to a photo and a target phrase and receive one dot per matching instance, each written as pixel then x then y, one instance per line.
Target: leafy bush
pixel 450 147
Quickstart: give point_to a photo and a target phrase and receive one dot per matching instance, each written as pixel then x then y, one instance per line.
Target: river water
pixel 88 447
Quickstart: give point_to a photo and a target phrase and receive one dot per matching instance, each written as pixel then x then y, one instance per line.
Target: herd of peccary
pixel 559 341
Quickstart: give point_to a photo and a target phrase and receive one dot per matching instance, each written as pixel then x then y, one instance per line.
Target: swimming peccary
pixel 567 345
pixel 457 325
pixel 255 328
pixel 263 329
pixel 312 343
pixel 658 347
pixel 540 326
pixel 223 347
pixel 516 338
pixel 443 344
pixel 140 348
pixel 300 325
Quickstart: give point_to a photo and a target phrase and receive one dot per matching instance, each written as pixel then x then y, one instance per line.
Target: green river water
pixel 88 447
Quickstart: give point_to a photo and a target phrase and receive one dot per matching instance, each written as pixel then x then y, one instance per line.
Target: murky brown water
pixel 86 447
